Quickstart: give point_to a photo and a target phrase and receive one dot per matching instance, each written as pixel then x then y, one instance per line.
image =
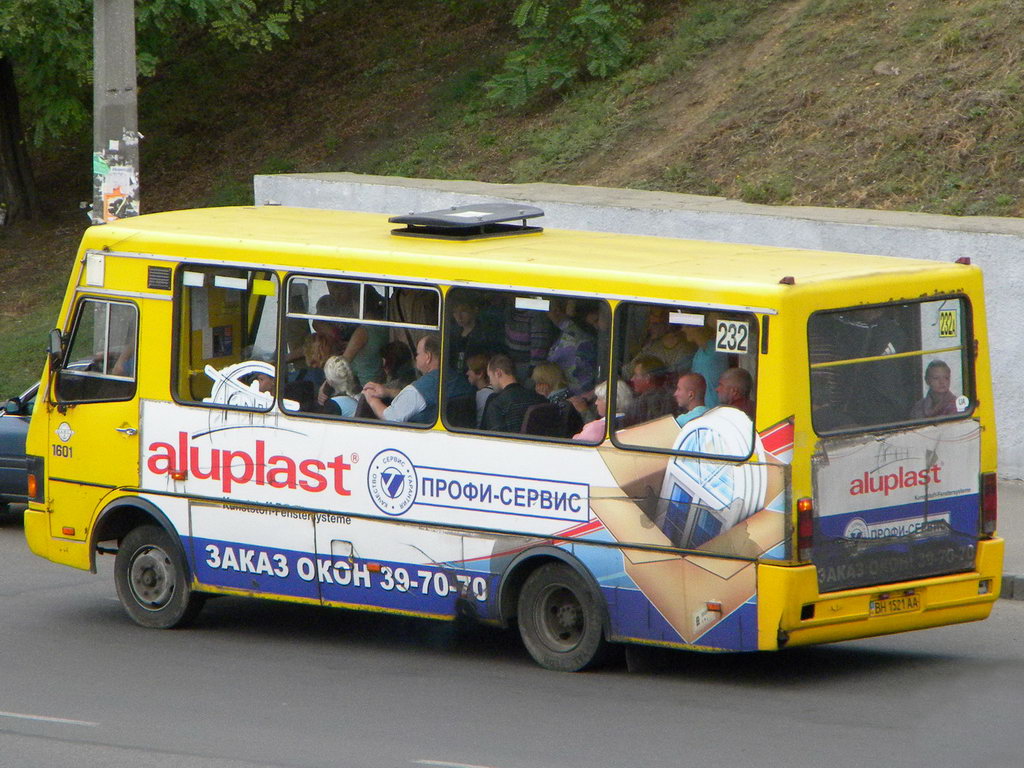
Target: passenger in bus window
pixel 417 402
pixel 476 374
pixel 413 305
pixel 652 398
pixel 584 402
pixel 707 361
pixel 593 431
pixel 361 343
pixel 938 401
pixel 265 382
pixel 689 394
pixel 124 365
pixel 396 364
pixel 339 394
pixel 470 333
pixel 734 388
pixel 328 339
pixel 884 387
pixel 575 348
pixel 548 380
pixel 667 342
pixel 561 418
pixel 506 408
pixel 529 335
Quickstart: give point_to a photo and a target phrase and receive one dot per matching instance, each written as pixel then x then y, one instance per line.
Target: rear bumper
pixel 791 611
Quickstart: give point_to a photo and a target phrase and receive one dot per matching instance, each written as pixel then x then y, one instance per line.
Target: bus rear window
pixel 890 364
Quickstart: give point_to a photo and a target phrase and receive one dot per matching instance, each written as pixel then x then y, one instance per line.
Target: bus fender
pixel 124 513
pixel 525 563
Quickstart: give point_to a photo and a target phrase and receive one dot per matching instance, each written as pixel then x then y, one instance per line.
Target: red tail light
pixel 804 528
pixel 988 504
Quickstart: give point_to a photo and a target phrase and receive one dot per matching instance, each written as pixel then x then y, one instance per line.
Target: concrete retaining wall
pixel 996 244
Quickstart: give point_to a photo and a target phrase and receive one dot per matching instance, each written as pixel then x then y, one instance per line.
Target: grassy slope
pixel 908 104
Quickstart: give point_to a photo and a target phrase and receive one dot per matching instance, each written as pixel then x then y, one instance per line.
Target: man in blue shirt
pixel 417 403
pixel 689 395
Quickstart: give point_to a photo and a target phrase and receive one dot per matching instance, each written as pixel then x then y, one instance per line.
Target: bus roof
pixel 314 239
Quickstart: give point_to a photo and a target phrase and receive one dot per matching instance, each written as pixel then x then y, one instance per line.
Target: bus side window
pixel 226 337
pixel 100 363
pixel 529 359
pixel 690 380
pixel 358 333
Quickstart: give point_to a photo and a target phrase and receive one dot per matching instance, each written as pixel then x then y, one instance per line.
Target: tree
pixel 46 65
pixel 18 194
pixel 564 41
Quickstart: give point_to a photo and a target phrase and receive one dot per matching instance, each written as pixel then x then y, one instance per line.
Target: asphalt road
pixel 256 683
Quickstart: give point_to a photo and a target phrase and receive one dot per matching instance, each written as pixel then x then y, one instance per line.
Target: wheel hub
pixel 151 576
pixel 562 621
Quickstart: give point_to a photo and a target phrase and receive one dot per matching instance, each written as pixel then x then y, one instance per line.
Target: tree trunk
pixel 17 183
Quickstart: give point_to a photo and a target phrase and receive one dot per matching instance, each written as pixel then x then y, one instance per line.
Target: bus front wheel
pixel 560 619
pixel 152 579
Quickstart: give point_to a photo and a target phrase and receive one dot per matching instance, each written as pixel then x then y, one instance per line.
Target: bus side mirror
pixel 56 348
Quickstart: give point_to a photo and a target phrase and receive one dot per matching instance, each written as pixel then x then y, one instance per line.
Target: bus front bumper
pixel 792 612
pixel 66 551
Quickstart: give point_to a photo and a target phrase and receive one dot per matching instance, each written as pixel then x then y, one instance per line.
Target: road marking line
pixel 45 719
pixel 442 764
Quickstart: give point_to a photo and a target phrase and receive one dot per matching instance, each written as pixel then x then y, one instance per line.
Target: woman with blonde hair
pixel 593 431
pixel 550 381
pixel 342 380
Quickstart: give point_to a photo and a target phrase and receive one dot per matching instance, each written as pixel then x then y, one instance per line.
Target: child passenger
pixel 938 401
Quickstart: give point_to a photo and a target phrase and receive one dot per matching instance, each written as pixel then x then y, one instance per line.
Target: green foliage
pixel 24 342
pixel 564 40
pixel 50 45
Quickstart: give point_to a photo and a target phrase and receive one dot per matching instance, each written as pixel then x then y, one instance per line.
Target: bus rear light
pixel 804 528
pixel 33 486
pixel 989 505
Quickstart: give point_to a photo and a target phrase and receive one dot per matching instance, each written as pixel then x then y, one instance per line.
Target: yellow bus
pixel 598 438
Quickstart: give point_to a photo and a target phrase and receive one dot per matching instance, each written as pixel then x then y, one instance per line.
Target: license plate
pixel 891 605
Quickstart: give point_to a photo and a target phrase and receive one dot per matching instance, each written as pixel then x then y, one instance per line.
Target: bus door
pixel 93 413
pixel 222 436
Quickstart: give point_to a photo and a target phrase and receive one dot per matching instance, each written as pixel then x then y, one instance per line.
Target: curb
pixel 1012 588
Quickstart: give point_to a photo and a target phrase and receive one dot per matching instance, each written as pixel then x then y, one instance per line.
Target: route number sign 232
pixel 732 336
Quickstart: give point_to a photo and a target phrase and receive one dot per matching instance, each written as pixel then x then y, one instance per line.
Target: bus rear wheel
pixel 152 579
pixel 560 619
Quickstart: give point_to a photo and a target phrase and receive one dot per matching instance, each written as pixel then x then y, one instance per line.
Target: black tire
pixel 152 579
pixel 561 619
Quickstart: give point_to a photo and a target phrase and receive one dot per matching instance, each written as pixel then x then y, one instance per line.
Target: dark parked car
pixel 13 464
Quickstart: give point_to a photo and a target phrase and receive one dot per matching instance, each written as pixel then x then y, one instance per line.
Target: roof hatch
pixel 469 222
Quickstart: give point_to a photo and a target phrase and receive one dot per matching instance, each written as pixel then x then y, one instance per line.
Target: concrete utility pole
pixel 115 160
